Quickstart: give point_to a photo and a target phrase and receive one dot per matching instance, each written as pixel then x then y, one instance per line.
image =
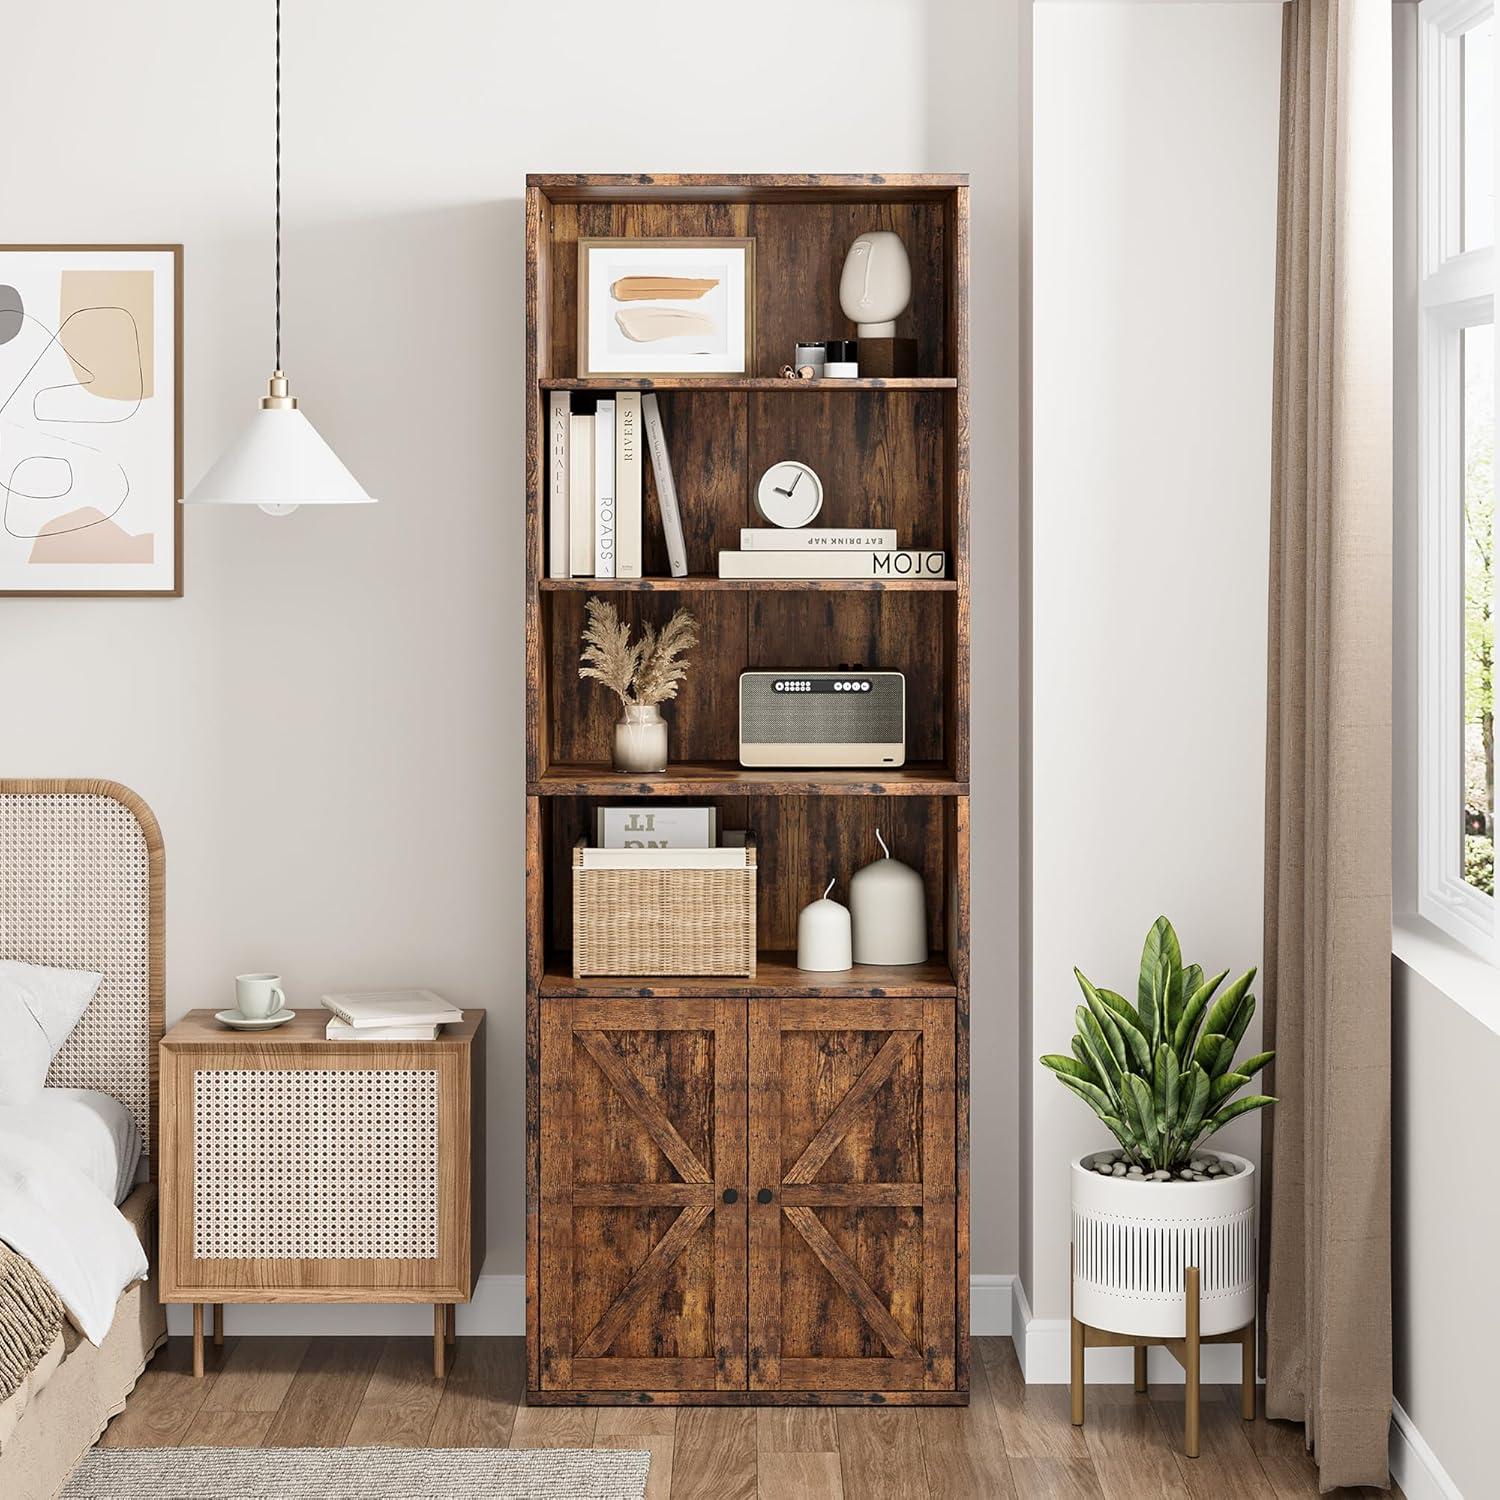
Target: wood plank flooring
pixel 1013 1442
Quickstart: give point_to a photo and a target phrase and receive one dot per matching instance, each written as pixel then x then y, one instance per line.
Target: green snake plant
pixel 1161 1073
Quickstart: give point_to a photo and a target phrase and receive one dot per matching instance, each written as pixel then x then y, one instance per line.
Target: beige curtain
pixel 1325 1245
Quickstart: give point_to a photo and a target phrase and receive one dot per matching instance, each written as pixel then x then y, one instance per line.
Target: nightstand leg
pixel 198 1341
pixel 1140 1367
pixel 218 1324
pixel 439 1336
pixel 452 1323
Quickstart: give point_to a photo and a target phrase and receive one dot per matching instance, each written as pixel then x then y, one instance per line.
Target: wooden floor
pixel 1013 1440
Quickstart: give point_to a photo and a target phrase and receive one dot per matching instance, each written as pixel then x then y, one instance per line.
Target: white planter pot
pixel 1132 1241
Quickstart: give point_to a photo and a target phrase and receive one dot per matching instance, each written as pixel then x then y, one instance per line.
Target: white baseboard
pixel 990 1302
pixel 1043 1349
pixel 499 1307
pixel 1414 1466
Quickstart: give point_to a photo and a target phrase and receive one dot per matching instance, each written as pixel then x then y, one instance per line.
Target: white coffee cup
pixel 259 995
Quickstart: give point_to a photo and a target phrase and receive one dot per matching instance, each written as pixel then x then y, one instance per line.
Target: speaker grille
pixel 768 717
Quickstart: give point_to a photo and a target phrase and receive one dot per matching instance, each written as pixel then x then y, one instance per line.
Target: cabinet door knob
pixel 731 1196
pixel 764 1195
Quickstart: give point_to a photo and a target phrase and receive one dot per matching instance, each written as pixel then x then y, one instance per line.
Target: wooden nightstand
pixel 295 1169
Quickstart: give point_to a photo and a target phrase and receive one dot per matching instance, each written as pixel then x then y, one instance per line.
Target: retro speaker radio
pixel 818 720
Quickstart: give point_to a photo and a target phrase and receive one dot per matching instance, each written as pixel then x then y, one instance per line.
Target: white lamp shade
pixel 279 460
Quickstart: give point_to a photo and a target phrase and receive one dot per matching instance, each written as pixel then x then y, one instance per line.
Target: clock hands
pixel 795 483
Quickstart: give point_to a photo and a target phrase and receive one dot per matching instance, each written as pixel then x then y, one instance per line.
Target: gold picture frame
pixel 737 308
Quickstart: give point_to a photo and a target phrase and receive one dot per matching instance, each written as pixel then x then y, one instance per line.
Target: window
pixel 1456 495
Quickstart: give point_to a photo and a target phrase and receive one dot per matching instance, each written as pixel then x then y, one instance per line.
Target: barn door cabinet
pixel 748 1198
pixel 755 1189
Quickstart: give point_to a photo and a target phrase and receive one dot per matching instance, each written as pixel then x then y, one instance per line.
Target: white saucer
pixel 234 1019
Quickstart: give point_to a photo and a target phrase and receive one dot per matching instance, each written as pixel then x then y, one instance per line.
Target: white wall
pixel 1154 180
pixel 328 723
pixel 1446 1218
pixel 973 121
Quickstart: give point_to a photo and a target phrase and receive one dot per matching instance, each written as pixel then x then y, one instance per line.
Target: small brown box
pixel 886 357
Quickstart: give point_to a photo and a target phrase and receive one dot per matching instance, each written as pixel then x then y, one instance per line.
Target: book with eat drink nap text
pixel 815 539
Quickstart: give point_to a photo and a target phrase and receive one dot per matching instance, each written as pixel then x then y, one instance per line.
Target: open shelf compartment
pixel 800 843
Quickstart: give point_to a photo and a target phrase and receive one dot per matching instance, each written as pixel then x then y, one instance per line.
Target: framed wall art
pixel 90 419
pixel 665 306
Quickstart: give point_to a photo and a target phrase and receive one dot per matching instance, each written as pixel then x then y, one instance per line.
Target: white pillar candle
pixel 823 935
pixel 889 904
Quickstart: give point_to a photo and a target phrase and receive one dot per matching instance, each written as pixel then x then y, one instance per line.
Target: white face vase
pixel 876 285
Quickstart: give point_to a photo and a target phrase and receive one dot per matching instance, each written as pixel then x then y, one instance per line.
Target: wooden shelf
pixel 726 778
pixel 701 582
pixel 606 383
pixel 747 187
pixel 776 974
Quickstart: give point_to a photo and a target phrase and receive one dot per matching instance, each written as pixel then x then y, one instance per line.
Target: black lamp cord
pixel 278 185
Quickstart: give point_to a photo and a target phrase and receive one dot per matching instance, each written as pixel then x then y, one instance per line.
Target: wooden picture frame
pixel 151 517
pixel 739 332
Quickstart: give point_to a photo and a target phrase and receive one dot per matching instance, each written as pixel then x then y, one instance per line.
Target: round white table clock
pixel 789 494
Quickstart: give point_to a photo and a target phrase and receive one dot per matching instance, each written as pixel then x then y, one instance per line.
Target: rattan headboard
pixel 81 887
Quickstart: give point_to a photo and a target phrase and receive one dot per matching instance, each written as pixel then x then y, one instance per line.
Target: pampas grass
pixel 640 672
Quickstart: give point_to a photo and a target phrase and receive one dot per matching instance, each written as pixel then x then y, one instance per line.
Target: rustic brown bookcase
pixel 757 1190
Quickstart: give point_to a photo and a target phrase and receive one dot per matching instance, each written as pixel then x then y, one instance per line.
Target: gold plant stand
pixel 1185 1351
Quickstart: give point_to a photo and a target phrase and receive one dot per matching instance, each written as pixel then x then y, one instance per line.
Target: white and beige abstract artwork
pixel 88 421
pixel 665 307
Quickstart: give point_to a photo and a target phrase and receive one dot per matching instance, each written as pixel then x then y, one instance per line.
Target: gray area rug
pixel 359 1474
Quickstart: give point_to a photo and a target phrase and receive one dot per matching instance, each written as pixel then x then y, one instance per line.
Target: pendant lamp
pixel 279 461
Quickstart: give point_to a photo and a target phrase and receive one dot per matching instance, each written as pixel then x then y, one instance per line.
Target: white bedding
pixel 93 1131
pixel 62 1222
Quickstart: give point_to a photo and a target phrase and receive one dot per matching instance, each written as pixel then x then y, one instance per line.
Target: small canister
pixel 842 359
pixel 815 355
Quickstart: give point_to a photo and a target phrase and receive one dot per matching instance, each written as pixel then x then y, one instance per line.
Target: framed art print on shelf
pixel 665 306
pixel 91 419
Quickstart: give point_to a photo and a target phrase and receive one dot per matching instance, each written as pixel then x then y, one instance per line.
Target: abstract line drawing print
pixel 80 347
pixel 57 340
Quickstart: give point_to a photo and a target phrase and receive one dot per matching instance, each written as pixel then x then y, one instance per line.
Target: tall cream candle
pixel 889 905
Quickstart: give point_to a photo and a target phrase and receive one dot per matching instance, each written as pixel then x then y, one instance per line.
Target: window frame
pixel 1455 291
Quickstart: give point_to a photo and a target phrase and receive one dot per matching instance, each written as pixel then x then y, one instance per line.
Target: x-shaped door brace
pixel 817 1151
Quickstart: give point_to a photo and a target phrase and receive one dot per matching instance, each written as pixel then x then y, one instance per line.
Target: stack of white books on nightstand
pixel 388 1016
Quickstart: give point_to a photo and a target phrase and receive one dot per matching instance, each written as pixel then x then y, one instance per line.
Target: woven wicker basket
pixel 663 921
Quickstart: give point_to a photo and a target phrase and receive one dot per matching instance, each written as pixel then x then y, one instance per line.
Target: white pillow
pixel 38 1009
pixel 93 1131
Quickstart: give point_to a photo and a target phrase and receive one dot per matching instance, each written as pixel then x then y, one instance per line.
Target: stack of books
pixel 388 1016
pixel 827 552
pixel 595 467
pixel 663 838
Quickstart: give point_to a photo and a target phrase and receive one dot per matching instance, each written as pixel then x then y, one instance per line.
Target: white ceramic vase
pixel 1133 1239
pixel 641 740
pixel 875 286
